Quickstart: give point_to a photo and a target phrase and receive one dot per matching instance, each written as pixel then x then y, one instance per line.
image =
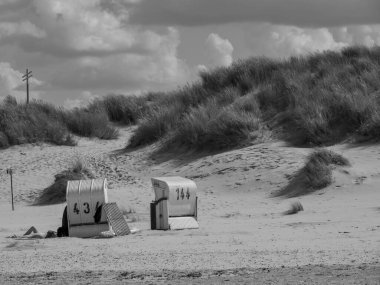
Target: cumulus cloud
pixel 85 98
pixel 11 83
pixel 94 43
pixel 13 10
pixel 287 40
pixel 108 46
pixel 309 13
pixel 219 50
pixel 201 68
pixel 75 28
pixel 160 69
pixel 283 41
pixel 25 28
pixel 367 35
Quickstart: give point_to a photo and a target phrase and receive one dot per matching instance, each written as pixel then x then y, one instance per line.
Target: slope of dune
pixel 243 233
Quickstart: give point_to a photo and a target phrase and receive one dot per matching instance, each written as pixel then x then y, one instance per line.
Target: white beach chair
pixel 175 204
pixel 83 198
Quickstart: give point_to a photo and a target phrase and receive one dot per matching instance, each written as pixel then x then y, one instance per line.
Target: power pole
pixel 10 172
pixel 26 77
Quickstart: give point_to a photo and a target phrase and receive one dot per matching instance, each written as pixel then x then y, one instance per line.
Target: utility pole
pixel 10 172
pixel 26 77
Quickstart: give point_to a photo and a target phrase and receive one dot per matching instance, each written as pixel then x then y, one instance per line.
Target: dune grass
pixel 315 175
pixel 156 124
pixel 210 127
pixel 56 193
pixel 36 122
pixel 42 122
pixel 314 100
pixel 89 124
pixel 122 109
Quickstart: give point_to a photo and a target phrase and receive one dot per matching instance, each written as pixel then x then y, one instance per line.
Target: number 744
pixel 181 193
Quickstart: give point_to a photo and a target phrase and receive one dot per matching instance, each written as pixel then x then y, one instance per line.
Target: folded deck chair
pixel 116 219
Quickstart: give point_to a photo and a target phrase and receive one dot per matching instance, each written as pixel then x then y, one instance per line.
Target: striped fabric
pixel 116 219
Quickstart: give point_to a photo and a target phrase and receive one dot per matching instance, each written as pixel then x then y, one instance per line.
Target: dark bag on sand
pixel 59 232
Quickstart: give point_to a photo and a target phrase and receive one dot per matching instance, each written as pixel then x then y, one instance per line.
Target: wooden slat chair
pixel 116 219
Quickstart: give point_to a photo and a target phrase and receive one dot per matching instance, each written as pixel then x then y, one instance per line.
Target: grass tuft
pixel 315 175
pixel 56 193
pixel 295 207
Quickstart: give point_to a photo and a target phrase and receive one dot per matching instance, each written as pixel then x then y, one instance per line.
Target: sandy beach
pixel 243 236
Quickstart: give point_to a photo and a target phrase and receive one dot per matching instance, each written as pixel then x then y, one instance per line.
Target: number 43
pixel 86 209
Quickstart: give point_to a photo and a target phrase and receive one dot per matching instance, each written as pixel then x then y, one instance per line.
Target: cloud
pixel 108 46
pixel 13 10
pixel 9 29
pixel 11 83
pixel 85 98
pixel 201 68
pixel 283 41
pixel 161 69
pixel 308 13
pixel 363 34
pixel 219 50
pixel 74 28
pixel 92 45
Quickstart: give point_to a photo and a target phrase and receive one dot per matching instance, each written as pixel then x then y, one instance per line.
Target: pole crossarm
pixel 27 76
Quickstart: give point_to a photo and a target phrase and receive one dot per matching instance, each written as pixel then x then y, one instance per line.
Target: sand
pixel 243 236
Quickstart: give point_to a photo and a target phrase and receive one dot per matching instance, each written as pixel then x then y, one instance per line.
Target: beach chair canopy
pixel 83 198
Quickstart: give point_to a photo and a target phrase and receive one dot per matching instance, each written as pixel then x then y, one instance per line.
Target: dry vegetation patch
pixel 42 122
pixel 315 175
pixel 35 122
pixel 56 193
pixel 90 124
pixel 295 207
pixel 315 100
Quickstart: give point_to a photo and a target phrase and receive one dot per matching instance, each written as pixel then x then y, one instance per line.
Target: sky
pixel 80 50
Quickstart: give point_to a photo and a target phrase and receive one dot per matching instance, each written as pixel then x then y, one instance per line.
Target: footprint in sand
pixel 359 180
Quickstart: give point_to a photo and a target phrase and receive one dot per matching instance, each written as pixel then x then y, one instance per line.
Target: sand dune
pixel 241 226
